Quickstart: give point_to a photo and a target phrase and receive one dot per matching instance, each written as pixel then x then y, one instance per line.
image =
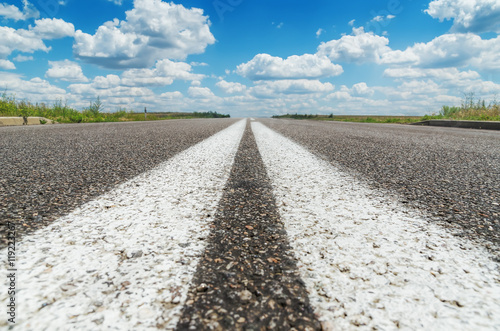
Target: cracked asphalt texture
pixel 451 174
pixel 47 171
pixel 247 279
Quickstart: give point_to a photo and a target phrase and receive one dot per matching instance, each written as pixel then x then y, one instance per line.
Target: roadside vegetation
pixel 471 109
pixel 62 113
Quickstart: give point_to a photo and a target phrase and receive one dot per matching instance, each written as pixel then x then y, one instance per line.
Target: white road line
pixel 124 261
pixel 367 262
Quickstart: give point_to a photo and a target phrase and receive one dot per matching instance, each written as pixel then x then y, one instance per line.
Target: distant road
pixel 250 224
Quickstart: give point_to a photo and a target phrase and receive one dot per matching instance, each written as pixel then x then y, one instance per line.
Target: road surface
pixel 250 224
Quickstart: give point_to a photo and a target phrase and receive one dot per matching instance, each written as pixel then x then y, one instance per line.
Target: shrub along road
pixel 371 226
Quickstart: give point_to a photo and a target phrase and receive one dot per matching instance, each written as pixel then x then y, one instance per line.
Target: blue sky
pixel 252 58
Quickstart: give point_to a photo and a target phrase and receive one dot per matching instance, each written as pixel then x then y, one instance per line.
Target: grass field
pixel 62 113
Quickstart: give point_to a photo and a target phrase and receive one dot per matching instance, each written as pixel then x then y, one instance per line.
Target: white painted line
pixel 367 261
pixel 124 261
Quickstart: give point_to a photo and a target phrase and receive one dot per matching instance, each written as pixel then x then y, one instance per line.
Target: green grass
pixel 62 113
pixel 489 113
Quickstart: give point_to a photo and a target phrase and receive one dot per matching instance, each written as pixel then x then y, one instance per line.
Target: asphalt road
pixel 248 225
pixel 47 171
pixel 451 174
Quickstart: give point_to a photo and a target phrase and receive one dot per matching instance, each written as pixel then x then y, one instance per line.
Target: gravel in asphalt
pixel 451 174
pixel 247 278
pixel 47 171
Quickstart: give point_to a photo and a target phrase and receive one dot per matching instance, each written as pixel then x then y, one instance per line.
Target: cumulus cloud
pixel 164 73
pixel 381 18
pixel 468 15
pixel 449 74
pixel 362 89
pixel 131 88
pixel 106 82
pixel 31 40
pixel 23 58
pixel 450 50
pixel 36 89
pixel 265 66
pixel 359 90
pixel 230 87
pixel 14 13
pixel 172 95
pixel 153 30
pixel 359 47
pixel 112 96
pixel 289 86
pixel 200 92
pixel 53 28
pixel 7 65
pixel 21 40
pixel 66 70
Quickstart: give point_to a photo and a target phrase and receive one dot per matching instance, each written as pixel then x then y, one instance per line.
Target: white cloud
pixel 106 82
pixel 164 73
pixel 13 13
pixel 381 18
pixel 362 89
pixel 53 28
pixel 289 86
pixel 446 74
pixel 450 50
pixel 66 70
pixel 116 2
pixel 265 66
pixel 31 40
pixel 427 87
pixel 200 92
pixel 357 92
pixel 468 15
pixel 199 64
pixel 340 95
pixel 351 22
pixel 7 65
pixel 172 95
pixel 230 87
pixel 153 30
pixel 359 47
pixel 114 96
pixel 319 32
pixel 23 58
pixel 21 40
pixel 35 90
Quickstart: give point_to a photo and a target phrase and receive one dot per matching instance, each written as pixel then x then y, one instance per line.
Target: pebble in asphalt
pixel 247 278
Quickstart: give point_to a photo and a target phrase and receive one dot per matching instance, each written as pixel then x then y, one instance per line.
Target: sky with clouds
pixel 252 57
